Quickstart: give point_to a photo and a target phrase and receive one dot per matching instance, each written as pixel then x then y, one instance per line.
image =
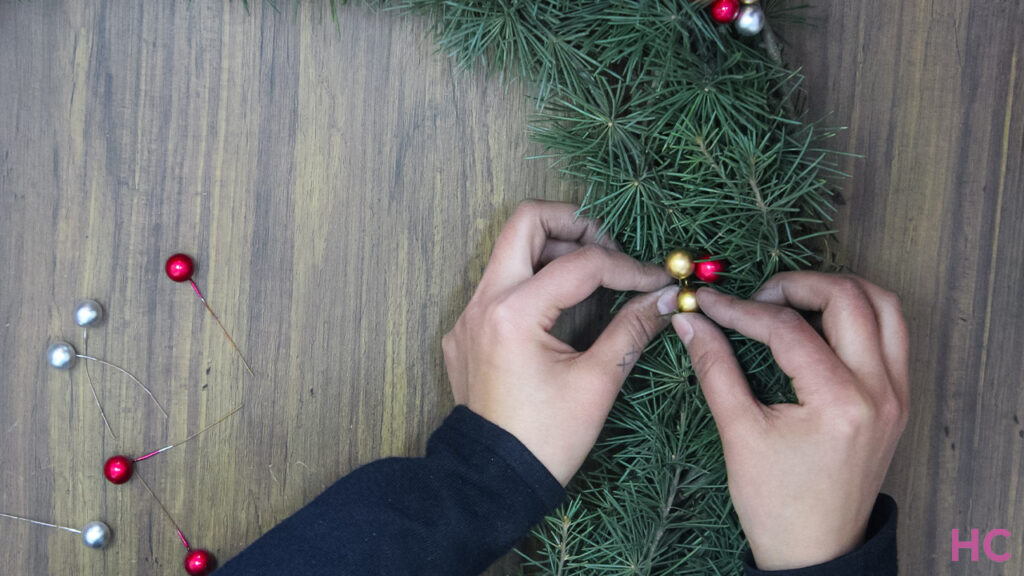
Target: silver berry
pixel 61 355
pixel 88 313
pixel 750 21
pixel 96 534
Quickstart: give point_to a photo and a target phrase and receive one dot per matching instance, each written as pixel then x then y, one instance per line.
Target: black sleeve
pixel 455 511
pixel 876 557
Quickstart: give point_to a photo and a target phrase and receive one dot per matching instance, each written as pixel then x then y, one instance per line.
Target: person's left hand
pixel 505 365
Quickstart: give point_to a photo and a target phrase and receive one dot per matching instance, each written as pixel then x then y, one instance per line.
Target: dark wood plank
pixel 931 93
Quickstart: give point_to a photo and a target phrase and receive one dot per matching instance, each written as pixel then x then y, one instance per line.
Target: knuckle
pixel 893 413
pixel 904 419
pixel 637 328
pixel 853 415
pixel 893 300
pixel 448 343
pixel 525 211
pixel 528 205
pixel 500 317
pixel 705 363
pixel 470 317
pixel 788 319
pixel 591 258
pixel 851 294
pixel 847 288
pixel 591 252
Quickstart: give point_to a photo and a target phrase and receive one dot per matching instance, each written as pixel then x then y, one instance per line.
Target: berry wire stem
pixel 92 387
pixel 181 536
pixel 128 374
pixel 221 324
pixel 38 523
pixel 193 435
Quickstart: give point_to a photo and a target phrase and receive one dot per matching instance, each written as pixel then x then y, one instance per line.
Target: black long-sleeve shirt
pixel 455 511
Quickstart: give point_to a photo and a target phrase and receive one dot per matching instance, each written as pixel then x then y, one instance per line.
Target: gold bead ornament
pixel 687 300
pixel 679 264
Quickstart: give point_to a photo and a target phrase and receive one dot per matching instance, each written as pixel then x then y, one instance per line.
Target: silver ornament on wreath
pixel 750 20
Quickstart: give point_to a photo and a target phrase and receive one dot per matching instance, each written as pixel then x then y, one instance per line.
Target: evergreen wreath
pixel 684 135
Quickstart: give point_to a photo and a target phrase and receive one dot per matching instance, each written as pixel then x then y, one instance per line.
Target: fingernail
pixel 667 300
pixel 683 328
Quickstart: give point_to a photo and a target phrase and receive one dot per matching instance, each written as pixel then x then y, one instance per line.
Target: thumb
pixel 618 348
pixel 721 379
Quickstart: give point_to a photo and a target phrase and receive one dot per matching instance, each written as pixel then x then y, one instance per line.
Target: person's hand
pixel 804 477
pixel 505 365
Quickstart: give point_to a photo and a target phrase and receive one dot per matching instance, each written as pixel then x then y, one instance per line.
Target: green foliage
pixel 684 135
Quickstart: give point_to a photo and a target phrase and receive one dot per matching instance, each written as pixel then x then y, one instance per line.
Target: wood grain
pixel 932 94
pixel 341 187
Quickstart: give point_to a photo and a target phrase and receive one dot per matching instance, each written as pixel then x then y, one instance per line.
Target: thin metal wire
pixel 188 547
pixel 128 374
pixel 221 324
pixel 88 375
pixel 166 448
pixel 38 523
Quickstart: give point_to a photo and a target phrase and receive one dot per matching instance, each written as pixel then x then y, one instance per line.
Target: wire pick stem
pixel 181 536
pixel 221 324
pixel 92 387
pixel 128 374
pixel 38 523
pixel 193 435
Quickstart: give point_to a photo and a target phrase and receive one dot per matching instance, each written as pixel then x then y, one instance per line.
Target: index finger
pixel 520 246
pixel 892 330
pixel 848 317
pixel 801 353
pixel 572 278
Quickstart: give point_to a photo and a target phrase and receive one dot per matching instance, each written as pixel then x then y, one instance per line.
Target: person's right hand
pixel 804 477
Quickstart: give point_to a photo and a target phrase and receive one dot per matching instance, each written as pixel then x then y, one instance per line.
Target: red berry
pixel 725 11
pixel 199 563
pixel 119 469
pixel 180 268
pixel 709 271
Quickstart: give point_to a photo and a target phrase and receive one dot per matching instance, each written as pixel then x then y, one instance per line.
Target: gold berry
pixel 687 300
pixel 679 264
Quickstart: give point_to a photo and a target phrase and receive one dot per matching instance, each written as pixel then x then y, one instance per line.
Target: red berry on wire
pixel 119 469
pixel 199 563
pixel 710 270
pixel 180 268
pixel 725 11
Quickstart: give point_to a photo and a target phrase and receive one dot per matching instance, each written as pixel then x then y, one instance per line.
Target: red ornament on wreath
pixel 725 11
pixel 710 270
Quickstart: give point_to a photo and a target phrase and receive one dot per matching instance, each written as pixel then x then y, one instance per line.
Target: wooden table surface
pixel 340 188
